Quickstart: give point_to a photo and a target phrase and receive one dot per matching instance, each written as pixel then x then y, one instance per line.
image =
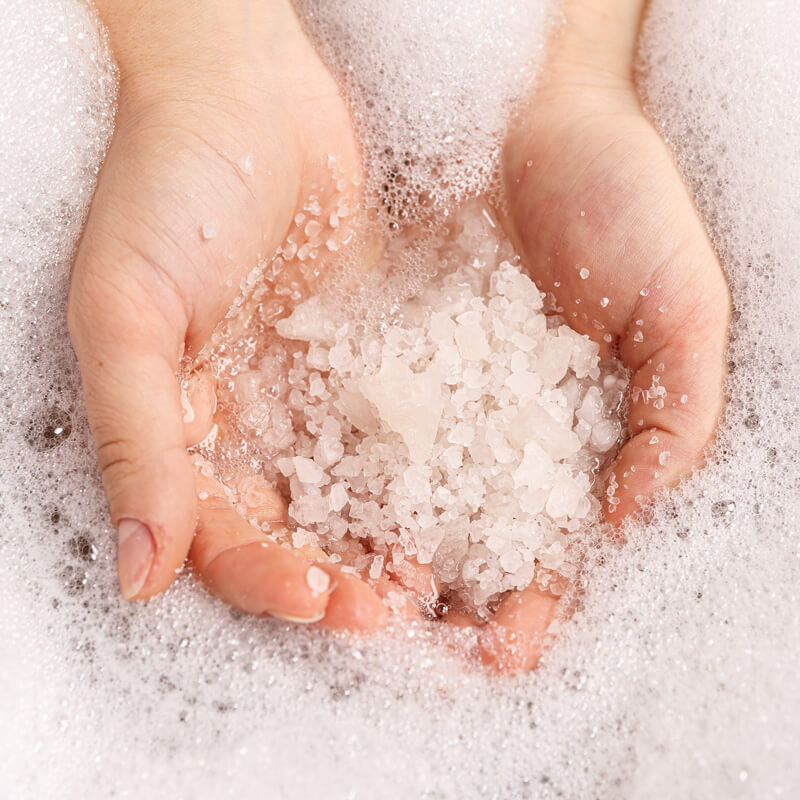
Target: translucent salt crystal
pixel 638 336
pixel 534 423
pixel 441 326
pixel 417 480
pixel 553 556
pixel 453 458
pixel 308 471
pixel 313 228
pixel 356 409
pixel 310 509
pixel 408 403
pixel 316 386
pixel 604 301
pixel 311 321
pixel 328 451
pixel 591 409
pixel 525 384
pixel 376 567
pixel 605 434
pixel 584 273
pixel 209 230
pixel 340 356
pixel 472 342
pixel 317 358
pixel 302 537
pixel 461 433
pixel 523 342
pixel 552 364
pixel 564 496
pixel 663 457
pixel 536 464
pixel 519 361
pixel 511 560
pixel 338 497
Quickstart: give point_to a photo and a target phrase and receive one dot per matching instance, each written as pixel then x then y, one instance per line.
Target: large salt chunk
pixel 565 495
pixel 472 342
pixel 533 423
pixel 408 403
pixel 308 471
pixel 554 360
pixel 535 466
pixel 355 408
pixel 311 321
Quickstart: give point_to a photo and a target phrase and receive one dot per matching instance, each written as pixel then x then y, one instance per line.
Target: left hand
pixel 602 194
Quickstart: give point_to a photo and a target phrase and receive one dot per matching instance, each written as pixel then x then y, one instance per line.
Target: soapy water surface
pixel 675 678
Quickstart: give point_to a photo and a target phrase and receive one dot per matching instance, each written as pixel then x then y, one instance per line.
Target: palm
pixel 603 221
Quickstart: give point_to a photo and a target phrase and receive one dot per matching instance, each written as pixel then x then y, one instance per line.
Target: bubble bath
pixel 689 628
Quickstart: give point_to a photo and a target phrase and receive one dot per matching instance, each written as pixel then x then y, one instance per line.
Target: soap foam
pixel 431 88
pixel 675 678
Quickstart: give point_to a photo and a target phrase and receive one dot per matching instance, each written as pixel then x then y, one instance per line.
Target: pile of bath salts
pixel 470 434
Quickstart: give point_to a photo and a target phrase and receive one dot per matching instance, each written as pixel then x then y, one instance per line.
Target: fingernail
pixel 135 551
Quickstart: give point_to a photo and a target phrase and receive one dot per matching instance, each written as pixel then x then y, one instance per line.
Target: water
pixel 675 678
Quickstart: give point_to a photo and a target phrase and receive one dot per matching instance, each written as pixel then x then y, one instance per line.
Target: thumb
pixel 127 327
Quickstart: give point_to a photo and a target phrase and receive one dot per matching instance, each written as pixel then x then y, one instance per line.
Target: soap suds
pixel 691 627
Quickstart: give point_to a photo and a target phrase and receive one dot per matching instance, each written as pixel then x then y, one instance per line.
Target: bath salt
pixel 465 429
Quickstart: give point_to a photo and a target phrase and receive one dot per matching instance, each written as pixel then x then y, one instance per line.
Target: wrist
pixel 158 40
pixel 599 37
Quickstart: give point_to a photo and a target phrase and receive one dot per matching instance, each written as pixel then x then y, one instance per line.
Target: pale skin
pixel 227 115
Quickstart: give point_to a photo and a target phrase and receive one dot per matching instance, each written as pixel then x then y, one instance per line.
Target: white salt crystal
pixel 525 385
pixel 553 362
pixel 328 451
pixel 536 464
pixel 409 404
pixel 311 321
pixel 472 342
pixel 317 358
pixel 308 471
pixel 318 580
pixel 338 497
pixel 209 230
pixel 442 327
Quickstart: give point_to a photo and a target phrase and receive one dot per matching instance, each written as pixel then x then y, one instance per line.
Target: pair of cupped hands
pixel 226 114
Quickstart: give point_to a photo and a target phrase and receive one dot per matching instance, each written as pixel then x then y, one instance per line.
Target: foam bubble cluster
pixel 430 99
pixel 690 628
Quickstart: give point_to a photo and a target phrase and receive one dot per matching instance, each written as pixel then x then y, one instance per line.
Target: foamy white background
pixel 677 679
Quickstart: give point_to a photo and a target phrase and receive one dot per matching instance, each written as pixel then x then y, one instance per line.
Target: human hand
pixel 225 124
pixel 605 223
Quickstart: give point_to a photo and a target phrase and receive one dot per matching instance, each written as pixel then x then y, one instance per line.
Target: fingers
pixel 353 605
pixel 128 348
pixel 259 576
pixel 676 347
pixel 513 640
